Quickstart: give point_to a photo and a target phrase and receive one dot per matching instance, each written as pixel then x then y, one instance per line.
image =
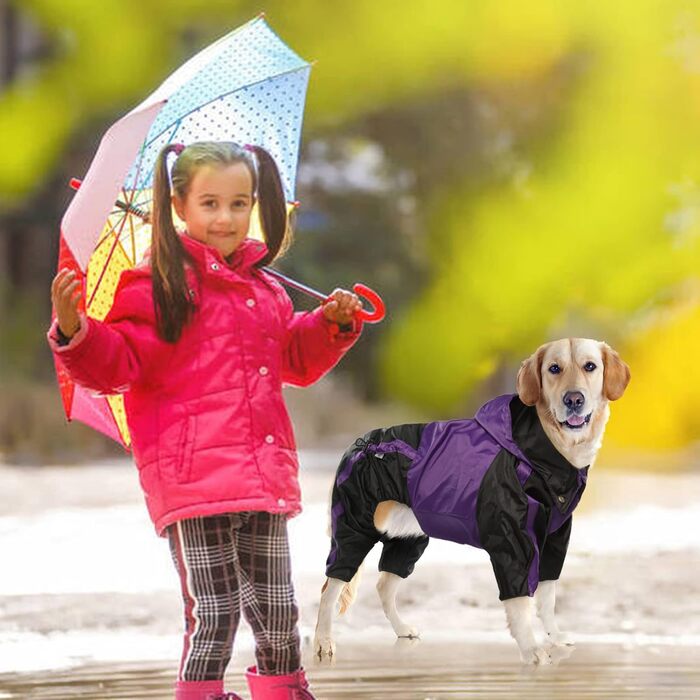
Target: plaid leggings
pixel 225 563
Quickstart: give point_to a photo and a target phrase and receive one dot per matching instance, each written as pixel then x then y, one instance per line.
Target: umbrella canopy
pixel 248 87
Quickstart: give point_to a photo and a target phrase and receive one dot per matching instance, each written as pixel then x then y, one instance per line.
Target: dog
pixel 506 481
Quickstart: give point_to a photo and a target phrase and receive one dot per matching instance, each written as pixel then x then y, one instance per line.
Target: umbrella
pixel 247 87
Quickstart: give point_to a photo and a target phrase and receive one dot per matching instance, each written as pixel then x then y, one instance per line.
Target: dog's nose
pixel 574 400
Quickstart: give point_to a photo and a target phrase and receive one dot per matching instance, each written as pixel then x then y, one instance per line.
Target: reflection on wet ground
pixel 419 670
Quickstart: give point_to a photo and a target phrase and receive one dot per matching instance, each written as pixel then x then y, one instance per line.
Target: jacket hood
pixel 518 429
pixel 496 419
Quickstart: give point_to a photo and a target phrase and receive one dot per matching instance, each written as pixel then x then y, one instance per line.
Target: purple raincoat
pixel 495 482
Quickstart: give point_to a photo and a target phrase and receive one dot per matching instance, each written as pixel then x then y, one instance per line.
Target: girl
pixel 200 341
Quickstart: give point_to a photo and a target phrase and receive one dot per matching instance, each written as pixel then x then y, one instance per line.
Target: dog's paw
pixel 560 653
pixel 406 632
pixel 536 656
pixel 324 647
pixel 560 639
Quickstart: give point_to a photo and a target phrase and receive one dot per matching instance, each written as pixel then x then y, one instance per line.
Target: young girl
pixel 200 341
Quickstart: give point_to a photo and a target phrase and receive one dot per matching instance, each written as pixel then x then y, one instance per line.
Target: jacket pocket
pixel 184 451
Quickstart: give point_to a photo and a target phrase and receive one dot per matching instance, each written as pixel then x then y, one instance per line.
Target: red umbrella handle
pixel 362 290
pixel 379 311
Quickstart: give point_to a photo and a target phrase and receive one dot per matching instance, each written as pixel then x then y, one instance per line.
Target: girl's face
pixel 217 206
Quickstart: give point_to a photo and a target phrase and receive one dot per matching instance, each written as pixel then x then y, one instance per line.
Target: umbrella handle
pixel 362 290
pixel 379 310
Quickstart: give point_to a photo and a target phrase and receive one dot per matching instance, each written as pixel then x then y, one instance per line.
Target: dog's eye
pixel 554 369
pixel 589 367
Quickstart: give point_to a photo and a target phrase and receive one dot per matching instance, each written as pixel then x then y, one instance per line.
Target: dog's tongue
pixel 575 420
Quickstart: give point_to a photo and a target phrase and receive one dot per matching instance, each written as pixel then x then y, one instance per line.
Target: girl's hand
pixel 341 307
pixel 66 292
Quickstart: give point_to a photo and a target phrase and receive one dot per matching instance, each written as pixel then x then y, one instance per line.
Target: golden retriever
pixel 380 493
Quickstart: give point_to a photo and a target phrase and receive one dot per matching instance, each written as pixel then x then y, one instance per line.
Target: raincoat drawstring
pixel 362 444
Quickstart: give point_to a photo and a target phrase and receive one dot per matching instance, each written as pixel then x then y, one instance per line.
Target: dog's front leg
pixel 323 641
pixel 545 598
pixel 519 614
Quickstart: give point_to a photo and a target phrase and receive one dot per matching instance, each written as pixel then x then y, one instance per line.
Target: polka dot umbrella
pixel 248 87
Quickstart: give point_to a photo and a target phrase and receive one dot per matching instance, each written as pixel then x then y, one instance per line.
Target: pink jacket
pixel 209 428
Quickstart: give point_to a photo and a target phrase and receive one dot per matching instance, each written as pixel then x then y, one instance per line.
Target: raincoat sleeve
pixel 507 522
pixel 109 356
pixel 554 552
pixel 312 345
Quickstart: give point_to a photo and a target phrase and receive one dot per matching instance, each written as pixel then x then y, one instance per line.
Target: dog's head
pixel 571 381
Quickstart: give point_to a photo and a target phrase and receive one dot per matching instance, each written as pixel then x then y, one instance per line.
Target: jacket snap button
pixel 263 371
pixel 215 266
pixel 269 439
pixel 562 499
pixel 281 502
pixel 250 303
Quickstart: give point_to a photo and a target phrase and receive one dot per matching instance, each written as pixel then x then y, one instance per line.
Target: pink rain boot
pixel 291 687
pixel 203 690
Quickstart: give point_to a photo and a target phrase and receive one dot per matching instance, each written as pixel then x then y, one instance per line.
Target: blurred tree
pixel 538 162
pixel 357 222
pixel 651 417
pixel 596 226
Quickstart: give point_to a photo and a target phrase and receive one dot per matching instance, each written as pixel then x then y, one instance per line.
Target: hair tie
pixel 177 148
pixel 249 147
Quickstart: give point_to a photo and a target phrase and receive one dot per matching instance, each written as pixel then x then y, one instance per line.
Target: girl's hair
pixel 173 305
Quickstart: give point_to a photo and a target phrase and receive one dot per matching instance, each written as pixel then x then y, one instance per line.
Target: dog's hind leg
pixel 545 597
pixel 387 586
pixel 403 544
pixel 323 640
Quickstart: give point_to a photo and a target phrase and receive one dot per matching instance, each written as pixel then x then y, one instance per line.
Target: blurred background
pixel 503 173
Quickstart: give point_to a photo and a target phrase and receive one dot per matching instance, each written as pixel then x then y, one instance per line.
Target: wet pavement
pixel 97 602
pixel 413 670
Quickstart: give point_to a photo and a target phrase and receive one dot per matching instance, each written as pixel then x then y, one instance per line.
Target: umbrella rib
pixel 132 236
pixel 177 124
pixel 111 231
pixel 171 138
pixel 138 171
pixel 117 234
pixel 130 197
pixel 130 205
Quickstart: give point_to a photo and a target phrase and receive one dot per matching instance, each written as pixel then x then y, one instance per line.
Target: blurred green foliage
pixel 542 162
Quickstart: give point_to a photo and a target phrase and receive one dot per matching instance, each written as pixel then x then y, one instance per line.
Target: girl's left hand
pixel 341 307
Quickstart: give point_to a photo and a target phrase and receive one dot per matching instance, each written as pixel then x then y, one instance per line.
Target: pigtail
pixel 173 305
pixel 272 205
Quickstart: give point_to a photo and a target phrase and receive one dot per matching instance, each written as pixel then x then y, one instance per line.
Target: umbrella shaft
pixel 296 285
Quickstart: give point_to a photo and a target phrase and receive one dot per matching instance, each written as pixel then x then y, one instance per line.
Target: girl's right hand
pixel 65 301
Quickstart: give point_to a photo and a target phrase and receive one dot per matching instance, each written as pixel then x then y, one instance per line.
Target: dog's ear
pixel 529 381
pixel 616 374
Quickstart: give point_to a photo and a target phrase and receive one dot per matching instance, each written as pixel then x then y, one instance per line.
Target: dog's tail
pixel 348 592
